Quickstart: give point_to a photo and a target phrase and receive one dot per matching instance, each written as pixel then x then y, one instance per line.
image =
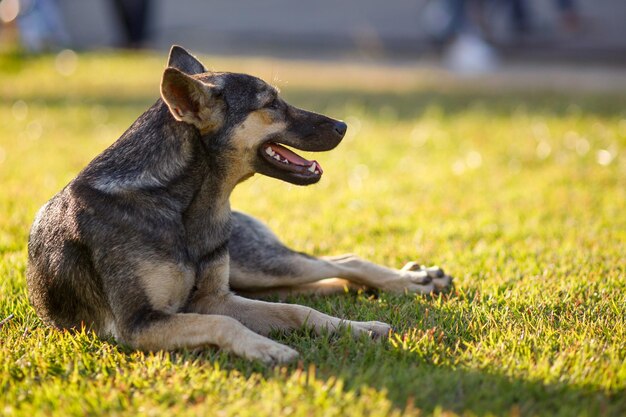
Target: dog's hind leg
pixel 261 265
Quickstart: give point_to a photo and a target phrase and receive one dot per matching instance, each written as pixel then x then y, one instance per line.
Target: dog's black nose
pixel 340 128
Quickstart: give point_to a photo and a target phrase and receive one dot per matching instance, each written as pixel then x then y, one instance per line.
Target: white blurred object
pixel 470 54
pixel 9 9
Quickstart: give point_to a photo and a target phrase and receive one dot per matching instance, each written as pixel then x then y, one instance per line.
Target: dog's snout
pixel 340 128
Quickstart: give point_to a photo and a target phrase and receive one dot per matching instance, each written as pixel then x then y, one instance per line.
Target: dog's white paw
pixel 374 329
pixel 265 350
pixel 415 278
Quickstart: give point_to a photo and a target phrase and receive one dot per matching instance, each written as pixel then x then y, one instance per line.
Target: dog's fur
pixel 142 244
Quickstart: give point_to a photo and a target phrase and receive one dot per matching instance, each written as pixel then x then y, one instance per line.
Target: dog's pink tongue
pixel 294 158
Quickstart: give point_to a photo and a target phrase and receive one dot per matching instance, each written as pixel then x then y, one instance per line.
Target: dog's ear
pixel 181 59
pixel 193 101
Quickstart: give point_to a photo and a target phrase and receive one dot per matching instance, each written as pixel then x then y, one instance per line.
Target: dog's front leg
pixel 198 330
pixel 147 303
pixel 263 317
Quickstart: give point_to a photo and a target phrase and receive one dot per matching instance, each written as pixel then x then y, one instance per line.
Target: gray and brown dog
pixel 143 246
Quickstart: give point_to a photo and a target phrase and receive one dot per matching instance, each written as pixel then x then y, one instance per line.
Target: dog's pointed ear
pixel 181 59
pixel 192 101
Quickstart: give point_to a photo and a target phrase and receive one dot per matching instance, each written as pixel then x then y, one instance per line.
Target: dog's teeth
pixel 277 157
pixel 312 168
pixel 286 161
pixel 317 172
pixel 269 151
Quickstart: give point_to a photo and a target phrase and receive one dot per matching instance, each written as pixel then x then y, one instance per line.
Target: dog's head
pixel 244 117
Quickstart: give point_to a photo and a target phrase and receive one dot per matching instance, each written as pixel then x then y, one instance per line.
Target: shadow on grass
pixel 73 100
pixel 424 378
pixel 394 105
pixel 411 104
pixel 420 378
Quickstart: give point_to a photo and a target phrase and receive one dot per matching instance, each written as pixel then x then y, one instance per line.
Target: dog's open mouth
pixel 287 160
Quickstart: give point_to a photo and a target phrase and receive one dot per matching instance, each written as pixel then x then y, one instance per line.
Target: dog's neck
pixel 159 157
pixel 211 168
pixel 207 217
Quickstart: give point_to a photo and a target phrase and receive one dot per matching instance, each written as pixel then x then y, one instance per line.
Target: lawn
pixel 518 193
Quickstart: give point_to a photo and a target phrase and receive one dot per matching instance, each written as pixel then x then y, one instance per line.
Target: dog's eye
pixel 274 104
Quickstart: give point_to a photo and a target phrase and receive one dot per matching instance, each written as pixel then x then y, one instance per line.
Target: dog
pixel 143 246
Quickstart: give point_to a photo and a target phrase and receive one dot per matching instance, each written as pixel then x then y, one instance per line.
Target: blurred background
pixel 486 136
pixel 465 36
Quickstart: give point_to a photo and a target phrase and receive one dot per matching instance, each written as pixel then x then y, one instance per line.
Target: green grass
pixel 521 195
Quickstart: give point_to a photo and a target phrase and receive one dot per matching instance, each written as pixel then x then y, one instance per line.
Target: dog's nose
pixel 340 128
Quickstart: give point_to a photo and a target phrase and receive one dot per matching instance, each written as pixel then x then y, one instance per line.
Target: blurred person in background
pixel 40 24
pixel 133 16
pixel 467 50
pixel 568 14
pixel 470 22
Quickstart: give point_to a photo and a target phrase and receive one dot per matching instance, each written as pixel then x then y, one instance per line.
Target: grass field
pixel 521 195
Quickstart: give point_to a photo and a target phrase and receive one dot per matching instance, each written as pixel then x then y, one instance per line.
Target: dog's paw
pixel 374 329
pixel 416 278
pixel 265 350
